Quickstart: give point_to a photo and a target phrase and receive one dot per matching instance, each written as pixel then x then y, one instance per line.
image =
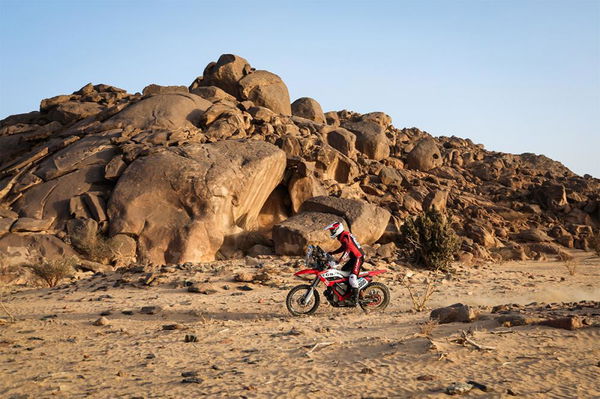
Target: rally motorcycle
pixel 304 299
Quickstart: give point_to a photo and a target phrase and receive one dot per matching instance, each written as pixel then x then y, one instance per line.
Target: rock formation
pixel 229 166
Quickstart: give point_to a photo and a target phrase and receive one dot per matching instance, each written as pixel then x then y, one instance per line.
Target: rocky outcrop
pixel 182 204
pixel 228 166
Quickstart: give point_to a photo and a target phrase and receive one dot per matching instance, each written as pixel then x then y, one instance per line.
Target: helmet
pixel 335 229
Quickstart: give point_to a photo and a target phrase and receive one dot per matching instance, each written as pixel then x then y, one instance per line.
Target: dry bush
pixel 571 267
pixel 427 328
pixel 97 250
pixel 429 240
pixel 4 269
pixel 51 271
pixel 419 300
pixel 564 256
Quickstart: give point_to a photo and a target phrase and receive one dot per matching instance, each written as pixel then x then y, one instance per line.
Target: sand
pixel 249 346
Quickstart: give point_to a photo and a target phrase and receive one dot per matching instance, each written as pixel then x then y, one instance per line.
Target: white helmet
pixel 335 229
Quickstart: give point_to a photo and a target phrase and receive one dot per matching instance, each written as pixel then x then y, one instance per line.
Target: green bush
pixel 429 241
pixel 51 271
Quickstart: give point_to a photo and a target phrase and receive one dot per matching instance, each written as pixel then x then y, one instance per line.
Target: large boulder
pixel 343 141
pixel 72 111
pixel 18 249
pixel 302 188
pixel 167 111
pixel 306 107
pixel 183 204
pixel 266 89
pixel 292 236
pixel 226 73
pixel 370 138
pixel 425 156
pixel 366 221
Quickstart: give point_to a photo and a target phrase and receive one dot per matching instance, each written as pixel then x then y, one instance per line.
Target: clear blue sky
pixel 516 76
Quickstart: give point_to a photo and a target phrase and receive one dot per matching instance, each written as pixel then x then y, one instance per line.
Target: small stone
pixel 150 356
pixel 244 277
pixel 192 380
pixel 175 326
pixel 102 321
pixel 245 288
pixel 367 370
pixel 189 374
pixel 191 338
pixel 458 388
pixel 150 309
pixel 426 377
pixel 127 312
pixel 567 323
pixel 106 313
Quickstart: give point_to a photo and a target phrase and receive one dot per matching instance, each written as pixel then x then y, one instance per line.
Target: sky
pixel 517 76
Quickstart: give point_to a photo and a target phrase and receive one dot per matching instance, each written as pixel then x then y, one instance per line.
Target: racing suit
pixel 352 249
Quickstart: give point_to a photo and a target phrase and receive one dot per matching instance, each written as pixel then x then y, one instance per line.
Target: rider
pixel 350 248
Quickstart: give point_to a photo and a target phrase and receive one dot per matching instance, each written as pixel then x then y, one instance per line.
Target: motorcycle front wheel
pixel 374 297
pixel 295 301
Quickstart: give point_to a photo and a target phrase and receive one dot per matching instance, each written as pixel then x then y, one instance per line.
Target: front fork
pixel 309 294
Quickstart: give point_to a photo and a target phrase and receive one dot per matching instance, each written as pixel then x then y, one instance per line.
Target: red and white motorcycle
pixel 304 299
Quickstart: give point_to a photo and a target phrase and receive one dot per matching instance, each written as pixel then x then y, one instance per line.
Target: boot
pixel 356 294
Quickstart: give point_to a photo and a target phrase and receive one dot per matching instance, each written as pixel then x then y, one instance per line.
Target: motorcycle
pixel 304 299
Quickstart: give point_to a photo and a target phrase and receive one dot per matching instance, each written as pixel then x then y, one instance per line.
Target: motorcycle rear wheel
pixel 294 298
pixel 375 297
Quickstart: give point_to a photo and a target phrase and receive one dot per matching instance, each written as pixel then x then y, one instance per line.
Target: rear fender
pixel 307 271
pixel 372 273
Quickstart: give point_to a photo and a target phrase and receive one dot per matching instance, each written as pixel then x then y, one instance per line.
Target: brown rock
pixel 183 203
pixel 566 323
pixel 332 118
pixel 213 94
pixel 226 73
pixel 390 176
pixel 533 235
pixel 102 321
pixel 425 156
pixel 266 89
pixel 114 168
pixel 454 313
pixel 303 188
pixel 244 277
pixel 157 89
pixel 6 224
pixel 366 221
pixel 96 206
pixel 292 236
pixel 72 111
pixel 343 141
pixel 436 200
pixel 166 111
pixel 31 224
pixel 308 108
pixel 370 138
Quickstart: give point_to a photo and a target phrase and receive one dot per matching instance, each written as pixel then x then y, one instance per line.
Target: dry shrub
pixel 419 299
pixel 51 271
pixel 429 241
pixel 97 250
pixel 571 267
pixel 427 328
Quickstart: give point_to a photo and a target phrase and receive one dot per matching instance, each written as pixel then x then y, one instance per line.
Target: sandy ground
pixel 249 346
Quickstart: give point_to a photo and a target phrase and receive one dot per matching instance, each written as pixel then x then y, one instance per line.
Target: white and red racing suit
pixel 351 248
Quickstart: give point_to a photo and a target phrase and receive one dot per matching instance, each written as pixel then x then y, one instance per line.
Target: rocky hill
pixel 229 166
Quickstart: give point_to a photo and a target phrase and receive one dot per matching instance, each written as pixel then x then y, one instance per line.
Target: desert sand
pixel 248 346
